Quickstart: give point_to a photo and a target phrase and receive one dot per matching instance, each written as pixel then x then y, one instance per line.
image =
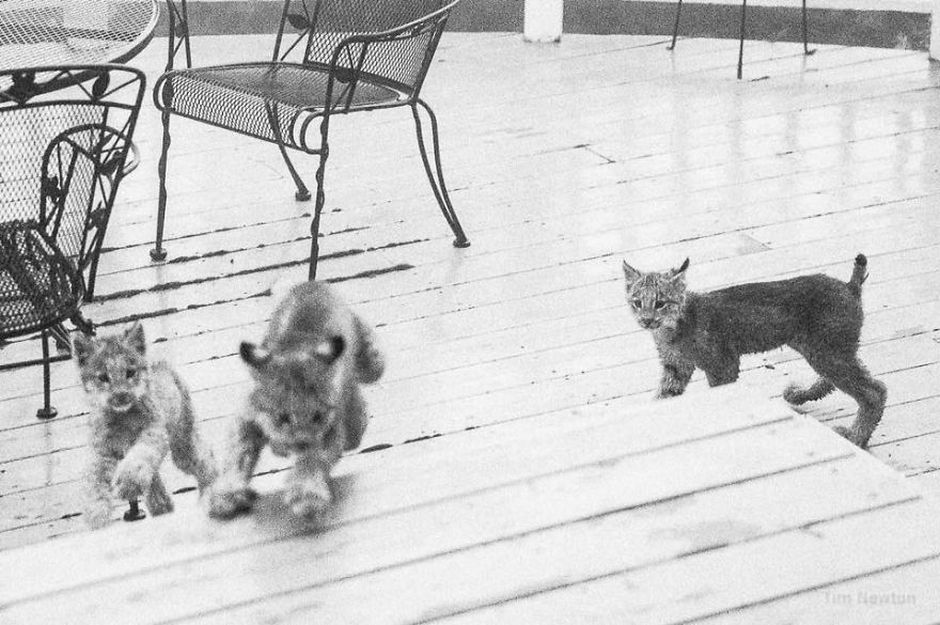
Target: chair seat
pixel 38 286
pixel 246 97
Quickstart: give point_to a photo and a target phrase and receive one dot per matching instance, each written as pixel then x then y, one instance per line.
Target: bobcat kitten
pixel 306 401
pixel 818 316
pixel 141 410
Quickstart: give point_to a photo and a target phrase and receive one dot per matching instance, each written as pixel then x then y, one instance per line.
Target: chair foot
pixel 44 414
pixel 675 28
pixel 157 255
pixel 302 196
pixel 133 512
pixel 809 52
pixel 462 243
pixel 83 324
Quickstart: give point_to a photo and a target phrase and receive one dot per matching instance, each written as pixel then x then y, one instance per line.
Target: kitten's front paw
pixel 131 479
pixel 666 394
pixel 309 500
pixel 794 395
pixel 97 515
pixel 226 499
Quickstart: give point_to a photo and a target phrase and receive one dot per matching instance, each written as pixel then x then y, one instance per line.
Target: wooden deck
pixel 561 160
pixel 739 511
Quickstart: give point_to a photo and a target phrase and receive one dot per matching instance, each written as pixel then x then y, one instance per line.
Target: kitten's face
pixel 656 298
pixel 113 369
pixel 292 419
pixel 297 391
pixel 303 369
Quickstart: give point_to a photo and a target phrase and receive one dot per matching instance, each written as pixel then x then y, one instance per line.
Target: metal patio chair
pixel 331 57
pixel 806 50
pixel 63 154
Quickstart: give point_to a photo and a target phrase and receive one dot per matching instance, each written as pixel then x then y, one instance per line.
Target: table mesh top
pixel 47 32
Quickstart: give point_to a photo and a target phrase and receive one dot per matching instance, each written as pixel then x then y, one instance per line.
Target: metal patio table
pixel 70 32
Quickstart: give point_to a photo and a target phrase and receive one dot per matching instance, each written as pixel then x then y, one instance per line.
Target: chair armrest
pixel 350 55
pixel 405 31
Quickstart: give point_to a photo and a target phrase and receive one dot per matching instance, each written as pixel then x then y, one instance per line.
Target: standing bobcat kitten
pixel 818 316
pixel 140 411
pixel 306 401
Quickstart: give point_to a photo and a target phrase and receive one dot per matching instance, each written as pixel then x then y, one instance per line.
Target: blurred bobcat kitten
pixel 306 401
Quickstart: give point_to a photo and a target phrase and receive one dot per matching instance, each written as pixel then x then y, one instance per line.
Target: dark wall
pixel 887 29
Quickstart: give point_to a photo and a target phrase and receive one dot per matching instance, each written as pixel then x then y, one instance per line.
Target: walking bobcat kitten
pixel 306 401
pixel 818 316
pixel 141 410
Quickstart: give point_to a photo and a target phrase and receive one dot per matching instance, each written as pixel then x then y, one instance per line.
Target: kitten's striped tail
pixel 859 275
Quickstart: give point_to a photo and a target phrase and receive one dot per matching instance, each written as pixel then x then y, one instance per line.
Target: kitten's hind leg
pixel 852 378
pixel 798 395
pixel 158 500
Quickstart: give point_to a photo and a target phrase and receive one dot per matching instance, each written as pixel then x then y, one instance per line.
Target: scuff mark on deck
pixel 177 284
pixel 372 273
pixel 421 438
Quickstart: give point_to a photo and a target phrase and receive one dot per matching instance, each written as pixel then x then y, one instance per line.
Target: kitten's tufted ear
pixel 631 274
pixel 677 274
pixel 83 346
pixel 330 349
pixel 370 361
pixel 134 337
pixel 256 357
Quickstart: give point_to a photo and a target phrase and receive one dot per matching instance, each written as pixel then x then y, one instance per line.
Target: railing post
pixel 935 30
pixel 542 20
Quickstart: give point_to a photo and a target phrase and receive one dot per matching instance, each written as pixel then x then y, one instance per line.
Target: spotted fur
pixel 818 316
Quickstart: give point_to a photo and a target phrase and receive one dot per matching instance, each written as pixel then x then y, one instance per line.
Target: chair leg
pixel 741 46
pixel 83 324
pixel 47 411
pixel 320 201
pixel 158 253
pixel 437 184
pixel 302 194
pixel 675 28
pixel 92 276
pixel 61 337
pixel 806 49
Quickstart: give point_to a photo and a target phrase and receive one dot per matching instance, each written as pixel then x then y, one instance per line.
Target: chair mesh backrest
pixel 80 175
pixel 29 132
pixel 401 61
pixel 61 154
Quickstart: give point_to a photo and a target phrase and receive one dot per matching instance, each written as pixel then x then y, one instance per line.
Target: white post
pixel 542 20
pixel 935 30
